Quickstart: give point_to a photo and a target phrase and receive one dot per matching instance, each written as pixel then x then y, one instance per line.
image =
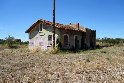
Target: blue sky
pixel 104 16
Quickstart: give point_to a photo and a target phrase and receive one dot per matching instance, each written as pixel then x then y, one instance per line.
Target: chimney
pixel 77 26
pixel 70 24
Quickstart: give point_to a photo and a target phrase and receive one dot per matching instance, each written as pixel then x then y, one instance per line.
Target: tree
pixel 2 41
pixel 9 41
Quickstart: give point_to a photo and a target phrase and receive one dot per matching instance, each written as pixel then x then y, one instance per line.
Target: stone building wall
pixel 76 37
pixel 71 34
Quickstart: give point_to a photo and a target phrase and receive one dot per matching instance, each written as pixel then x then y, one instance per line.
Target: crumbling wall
pixel 89 38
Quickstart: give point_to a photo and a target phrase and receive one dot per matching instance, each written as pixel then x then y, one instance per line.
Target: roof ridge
pixel 70 26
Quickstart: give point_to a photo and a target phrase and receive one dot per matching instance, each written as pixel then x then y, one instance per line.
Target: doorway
pixel 76 42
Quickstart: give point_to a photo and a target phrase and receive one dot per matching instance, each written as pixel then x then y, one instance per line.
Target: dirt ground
pixel 104 65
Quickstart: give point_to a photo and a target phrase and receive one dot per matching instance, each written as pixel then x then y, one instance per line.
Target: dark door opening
pixel 76 42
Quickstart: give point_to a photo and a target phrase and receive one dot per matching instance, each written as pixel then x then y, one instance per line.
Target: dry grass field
pixel 105 65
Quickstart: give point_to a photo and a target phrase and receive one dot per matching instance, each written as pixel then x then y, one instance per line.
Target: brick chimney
pixel 77 26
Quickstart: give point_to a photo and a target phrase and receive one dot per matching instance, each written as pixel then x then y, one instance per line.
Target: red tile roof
pixel 57 25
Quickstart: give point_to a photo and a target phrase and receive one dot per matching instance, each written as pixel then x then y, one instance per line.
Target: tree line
pixel 10 41
pixel 110 41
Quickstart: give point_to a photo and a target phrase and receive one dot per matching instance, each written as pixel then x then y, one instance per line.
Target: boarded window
pixel 41 27
pixel 49 40
pixel 49 37
pixel 66 40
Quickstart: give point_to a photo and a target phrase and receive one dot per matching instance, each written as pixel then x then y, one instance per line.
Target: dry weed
pixel 104 65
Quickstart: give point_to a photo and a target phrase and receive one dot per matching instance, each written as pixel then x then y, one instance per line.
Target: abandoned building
pixel 72 36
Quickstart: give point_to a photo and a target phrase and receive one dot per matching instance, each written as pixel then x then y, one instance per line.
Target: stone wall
pixel 90 38
pixel 71 35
